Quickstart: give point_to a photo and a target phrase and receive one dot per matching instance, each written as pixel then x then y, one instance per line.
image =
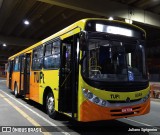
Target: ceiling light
pixel 128 21
pixel 110 18
pixel 4 44
pixel 26 22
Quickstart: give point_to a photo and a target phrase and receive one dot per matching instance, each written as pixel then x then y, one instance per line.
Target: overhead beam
pixel 16 41
pixel 108 8
pixel 3 60
pixel 1 1
pixel 2 63
pixel 25 7
pixel 52 26
pixel 6 9
pixel 5 53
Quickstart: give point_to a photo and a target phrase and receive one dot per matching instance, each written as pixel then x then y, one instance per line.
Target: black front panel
pixel 113 27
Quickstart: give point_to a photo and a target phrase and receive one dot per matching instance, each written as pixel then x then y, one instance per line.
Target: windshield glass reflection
pixel 114 61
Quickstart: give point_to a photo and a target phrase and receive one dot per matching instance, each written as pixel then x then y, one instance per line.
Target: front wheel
pixel 50 106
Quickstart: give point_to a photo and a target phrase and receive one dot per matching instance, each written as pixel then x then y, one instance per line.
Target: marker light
pixel 110 18
pixel 128 21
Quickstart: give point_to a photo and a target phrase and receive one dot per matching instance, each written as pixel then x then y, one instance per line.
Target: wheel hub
pixel 50 104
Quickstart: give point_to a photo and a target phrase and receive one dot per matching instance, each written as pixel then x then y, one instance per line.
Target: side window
pixel 48 49
pixel 16 64
pixel 52 55
pixel 37 59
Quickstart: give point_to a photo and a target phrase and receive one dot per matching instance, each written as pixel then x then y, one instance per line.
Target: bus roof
pixel 79 24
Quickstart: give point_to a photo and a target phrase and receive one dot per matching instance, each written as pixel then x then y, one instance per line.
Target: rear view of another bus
pixel 113 81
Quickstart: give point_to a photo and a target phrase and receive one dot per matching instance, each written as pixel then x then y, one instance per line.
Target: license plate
pixel 125 110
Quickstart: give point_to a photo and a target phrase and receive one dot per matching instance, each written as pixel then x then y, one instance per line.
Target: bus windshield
pixel 106 60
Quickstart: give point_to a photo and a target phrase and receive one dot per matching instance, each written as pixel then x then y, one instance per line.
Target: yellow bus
pixel 92 70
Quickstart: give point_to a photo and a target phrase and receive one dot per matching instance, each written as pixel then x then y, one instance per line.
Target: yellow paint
pixel 80 94
pixel 106 95
pixel 15 78
pixel 26 116
pixel 7 82
pixel 71 33
pixel 51 79
pixel 34 86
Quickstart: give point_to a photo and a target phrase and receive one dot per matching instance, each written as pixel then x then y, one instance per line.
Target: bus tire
pixel 16 91
pixel 50 106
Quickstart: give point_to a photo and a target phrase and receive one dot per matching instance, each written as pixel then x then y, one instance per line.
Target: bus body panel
pixel 88 111
pixel 114 96
pixel 15 79
pixel 92 112
pixel 7 82
pixel 50 79
pixel 73 32
pixel 34 85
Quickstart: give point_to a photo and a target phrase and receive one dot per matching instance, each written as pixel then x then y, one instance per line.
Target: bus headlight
pixel 90 95
pixel 96 100
pixel 93 98
pixel 146 97
pixel 104 103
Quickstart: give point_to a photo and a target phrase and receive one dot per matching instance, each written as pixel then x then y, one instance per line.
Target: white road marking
pixel 143 123
pixel 139 122
pixel 40 116
pixel 2 80
pixel 156 102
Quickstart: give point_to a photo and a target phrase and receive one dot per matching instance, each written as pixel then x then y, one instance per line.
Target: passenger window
pixel 16 64
pixel 48 50
pixel 56 48
pixel 52 61
pixel 37 60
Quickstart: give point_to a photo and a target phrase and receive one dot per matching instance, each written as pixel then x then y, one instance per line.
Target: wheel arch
pixel 45 93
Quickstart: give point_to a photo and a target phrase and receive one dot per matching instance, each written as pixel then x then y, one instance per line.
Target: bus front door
pixel 10 73
pixel 25 74
pixel 67 83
